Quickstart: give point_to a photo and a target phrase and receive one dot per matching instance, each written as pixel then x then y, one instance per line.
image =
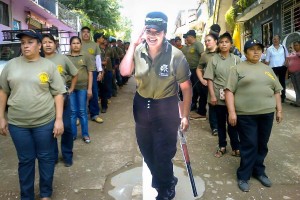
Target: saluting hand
pixel 140 38
pixel 58 129
pixel 3 127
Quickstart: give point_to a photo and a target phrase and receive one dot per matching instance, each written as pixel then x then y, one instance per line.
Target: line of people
pixel 45 93
pixel 243 97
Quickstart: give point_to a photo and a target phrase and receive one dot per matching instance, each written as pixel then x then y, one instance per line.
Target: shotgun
pixel 181 137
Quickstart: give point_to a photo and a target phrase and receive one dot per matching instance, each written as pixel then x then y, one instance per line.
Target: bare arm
pixel 200 76
pixel 58 125
pixel 90 83
pixel 127 64
pixel 229 99
pixel 3 122
pixel 186 88
pixel 213 98
pixel 278 108
pixel 73 83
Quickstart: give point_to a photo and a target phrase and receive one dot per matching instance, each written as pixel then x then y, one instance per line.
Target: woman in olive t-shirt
pixel 252 95
pixel 32 89
pixel 83 88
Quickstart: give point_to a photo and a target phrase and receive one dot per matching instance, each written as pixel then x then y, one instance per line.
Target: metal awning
pixel 257 7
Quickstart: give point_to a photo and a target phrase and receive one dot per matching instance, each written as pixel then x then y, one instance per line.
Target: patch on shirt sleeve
pixel 91 51
pixel 44 77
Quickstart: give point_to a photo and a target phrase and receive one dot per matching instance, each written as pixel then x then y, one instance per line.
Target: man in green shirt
pixel 193 54
pixel 91 48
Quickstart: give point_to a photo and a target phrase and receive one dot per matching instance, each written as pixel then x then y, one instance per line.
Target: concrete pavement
pixel 113 151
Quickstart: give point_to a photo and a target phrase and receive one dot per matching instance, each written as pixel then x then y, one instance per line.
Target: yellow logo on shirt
pixel 44 77
pixel 192 50
pixel 60 69
pixel 80 62
pixel 270 75
pixel 91 51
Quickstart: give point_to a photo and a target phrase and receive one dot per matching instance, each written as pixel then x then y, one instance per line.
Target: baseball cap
pixel 191 32
pixel 215 29
pixel 177 38
pixel 97 36
pixel 157 21
pixel 251 43
pixel 226 35
pixel 30 33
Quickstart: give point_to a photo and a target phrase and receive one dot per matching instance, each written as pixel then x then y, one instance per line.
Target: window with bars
pixel 4 15
pixel 290 16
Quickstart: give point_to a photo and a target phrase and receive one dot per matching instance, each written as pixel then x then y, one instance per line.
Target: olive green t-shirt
pixel 217 70
pixel 253 86
pixel 30 87
pixel 84 65
pixel 205 57
pixel 64 66
pixel 193 54
pixel 91 48
pixel 159 78
pixel 109 55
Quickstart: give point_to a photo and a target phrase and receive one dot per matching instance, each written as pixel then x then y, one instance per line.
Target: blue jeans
pixel 35 143
pixel 78 99
pixel 67 136
pixel 93 103
pixel 254 132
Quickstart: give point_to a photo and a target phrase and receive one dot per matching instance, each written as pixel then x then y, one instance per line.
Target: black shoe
pixel 103 110
pixel 244 185
pixel 264 180
pixel 167 193
pixel 215 132
pixel 68 164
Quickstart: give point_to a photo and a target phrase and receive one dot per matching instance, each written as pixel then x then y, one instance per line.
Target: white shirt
pixel 276 57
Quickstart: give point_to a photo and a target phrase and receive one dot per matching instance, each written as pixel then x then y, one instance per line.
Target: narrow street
pixel 113 158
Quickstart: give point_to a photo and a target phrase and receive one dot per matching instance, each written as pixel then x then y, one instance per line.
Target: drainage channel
pixel 134 183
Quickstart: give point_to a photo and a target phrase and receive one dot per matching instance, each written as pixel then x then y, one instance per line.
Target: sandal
pixel 220 152
pixel 236 153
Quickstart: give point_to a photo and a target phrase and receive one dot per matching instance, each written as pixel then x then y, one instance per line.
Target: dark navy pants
pixel 254 132
pixel 222 118
pixel 31 144
pixel 67 136
pixel 93 103
pixel 212 114
pixel 157 123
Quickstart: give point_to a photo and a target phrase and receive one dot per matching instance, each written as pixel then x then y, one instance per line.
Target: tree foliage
pixel 103 15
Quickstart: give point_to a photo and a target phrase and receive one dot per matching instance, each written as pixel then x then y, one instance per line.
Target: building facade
pixel 17 15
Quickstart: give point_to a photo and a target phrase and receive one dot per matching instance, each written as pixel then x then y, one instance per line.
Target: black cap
pixel 215 29
pixel 251 43
pixel 177 38
pixel 191 32
pixel 184 36
pixel 226 35
pixel 97 36
pixel 30 33
pixel 85 27
pixel 157 21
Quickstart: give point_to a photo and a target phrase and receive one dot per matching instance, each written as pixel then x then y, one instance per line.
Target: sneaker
pixel 103 110
pixel 196 116
pixel 264 180
pixel 86 139
pixel 68 164
pixel 215 132
pixel 244 185
pixel 97 119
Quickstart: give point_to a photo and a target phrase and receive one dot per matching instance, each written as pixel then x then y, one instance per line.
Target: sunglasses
pixel 155 21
